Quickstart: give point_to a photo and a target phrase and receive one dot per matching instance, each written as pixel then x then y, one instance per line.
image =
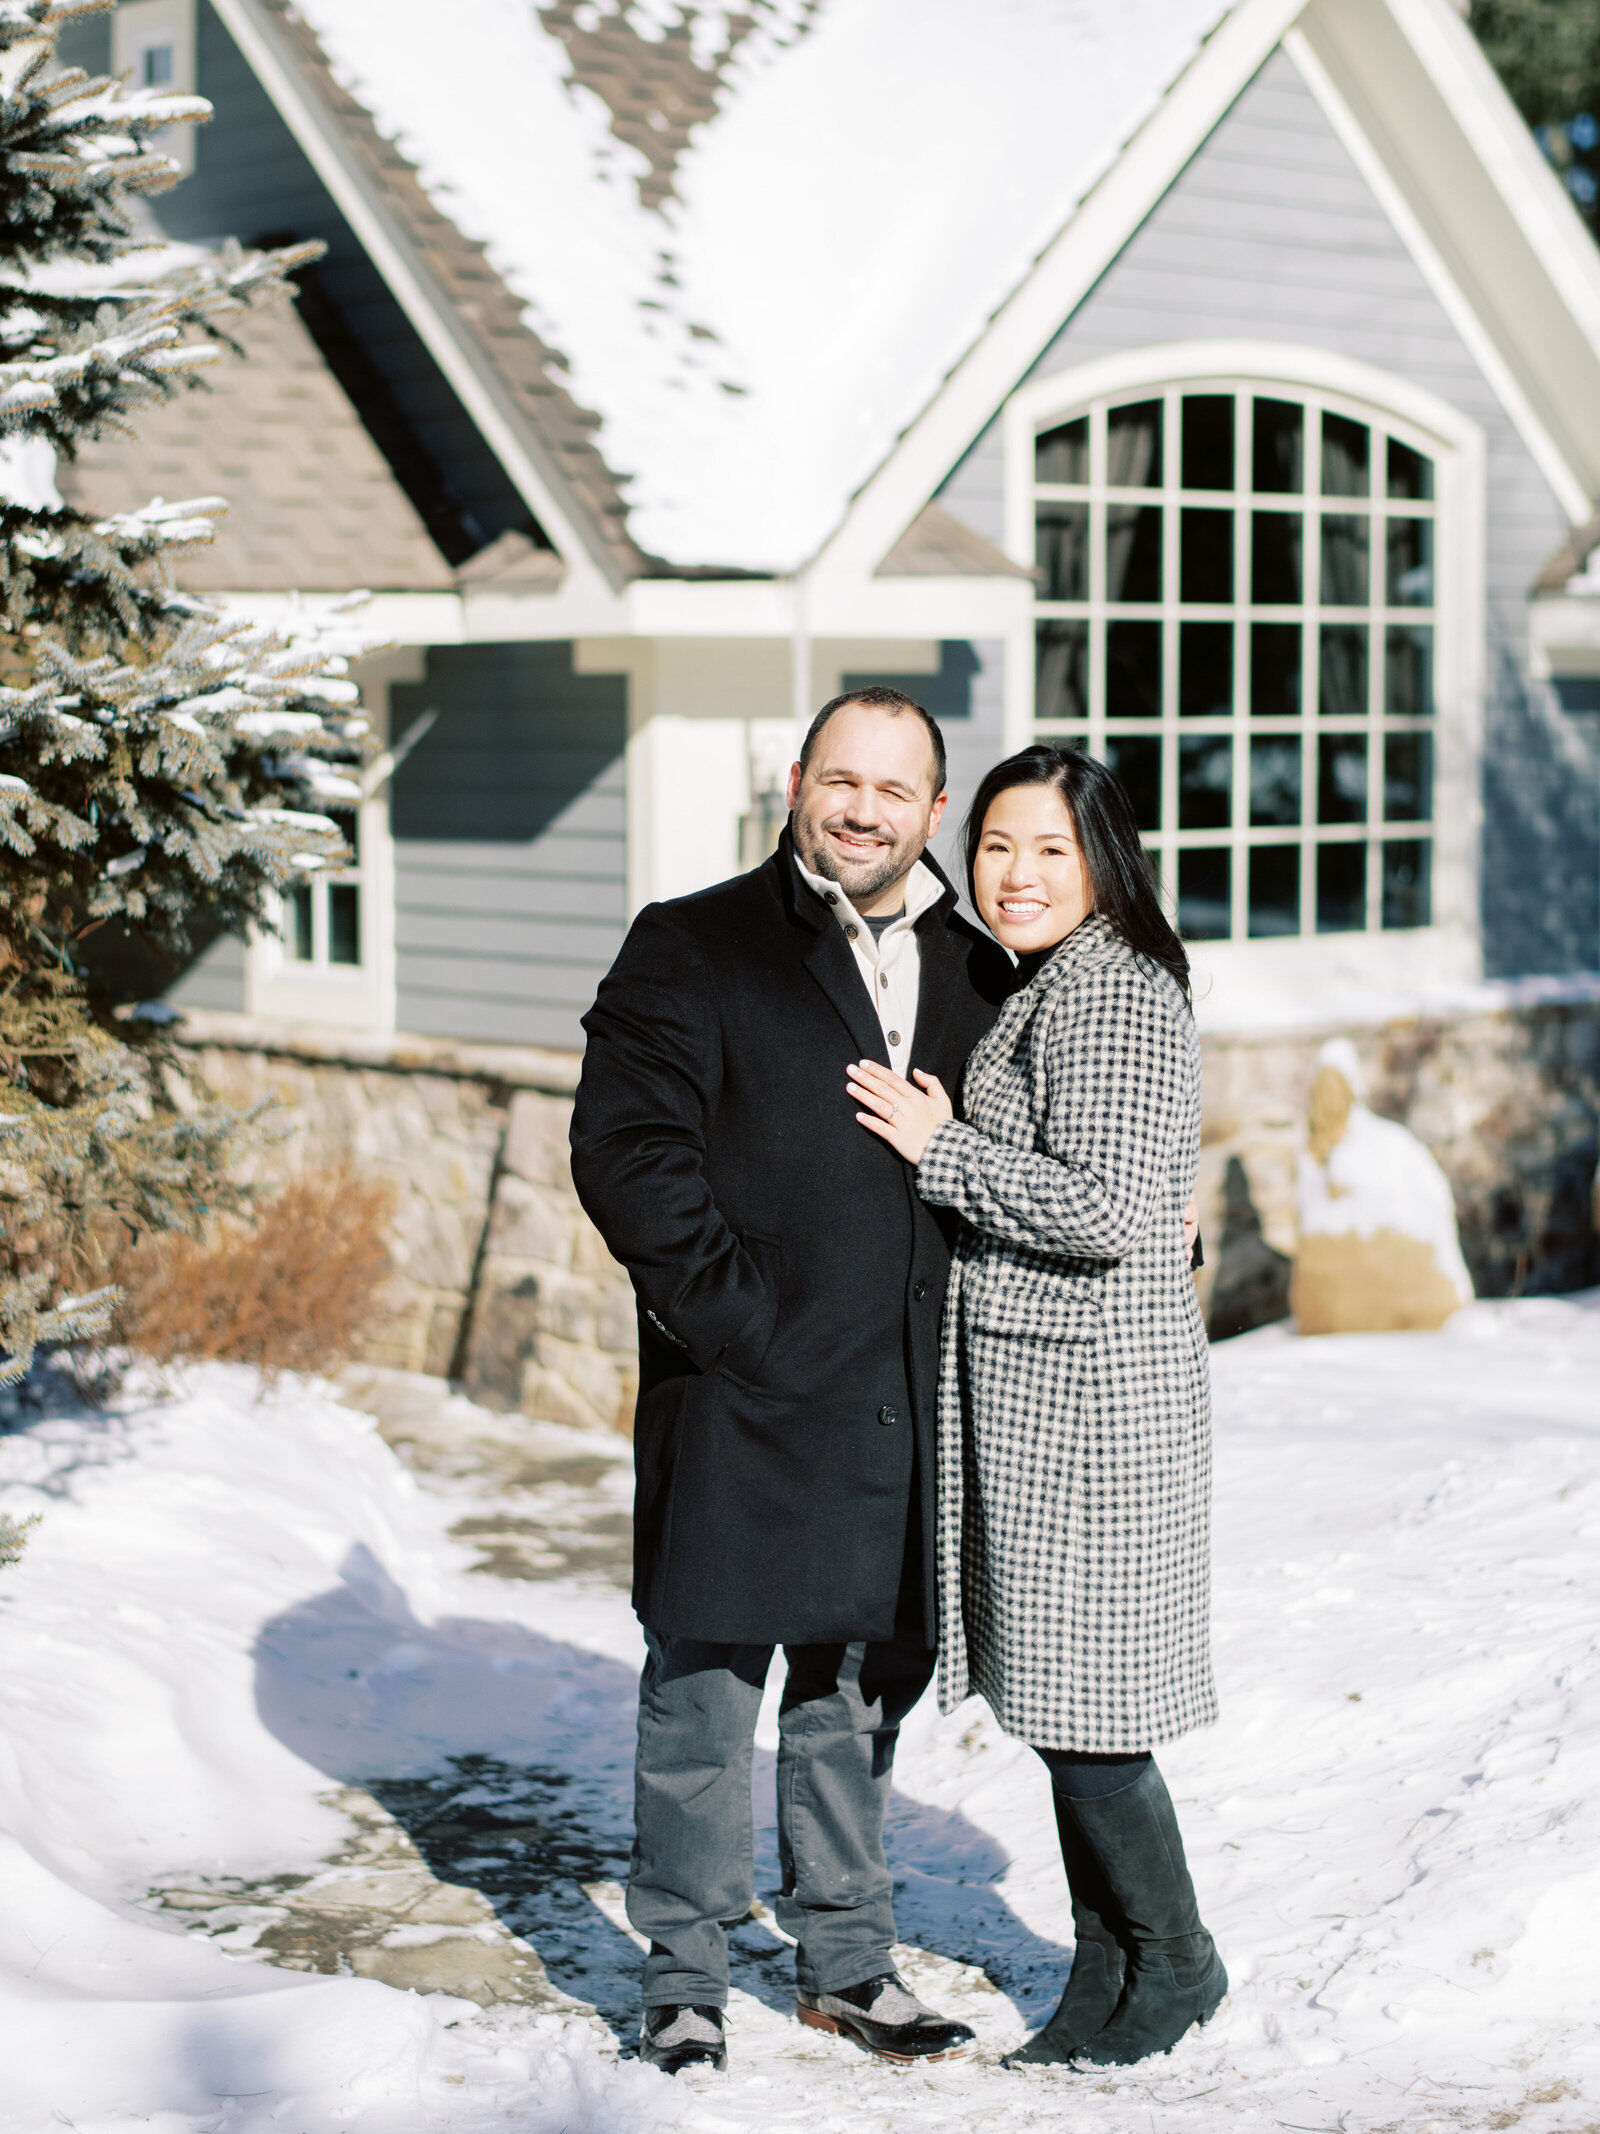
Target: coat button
pixel 919 1291
pixel 888 1416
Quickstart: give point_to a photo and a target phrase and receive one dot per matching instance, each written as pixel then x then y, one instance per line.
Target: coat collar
pixel 802 902
pixel 831 961
pixel 1089 943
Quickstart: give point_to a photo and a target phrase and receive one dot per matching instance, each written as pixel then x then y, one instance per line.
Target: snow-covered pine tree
pixel 160 761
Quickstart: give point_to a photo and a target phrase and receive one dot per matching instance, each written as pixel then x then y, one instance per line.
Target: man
pixel 789 1282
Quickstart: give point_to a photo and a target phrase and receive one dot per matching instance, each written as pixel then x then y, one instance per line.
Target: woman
pixel 1074 1467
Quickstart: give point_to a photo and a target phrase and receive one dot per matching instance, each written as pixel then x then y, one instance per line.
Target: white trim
pixel 1463 316
pixel 355 996
pixel 1564 635
pixel 432 320
pixel 1035 405
pixel 1544 252
pixel 1473 93
pixel 137 27
pixel 1028 321
pixel 1459 449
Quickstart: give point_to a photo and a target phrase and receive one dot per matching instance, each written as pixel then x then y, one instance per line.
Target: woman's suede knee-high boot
pixel 1094 1984
pixel 1174 1976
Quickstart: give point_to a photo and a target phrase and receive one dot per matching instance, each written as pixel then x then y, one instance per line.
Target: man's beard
pixel 861 880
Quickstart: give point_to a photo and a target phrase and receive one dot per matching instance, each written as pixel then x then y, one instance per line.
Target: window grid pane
pixel 1293 612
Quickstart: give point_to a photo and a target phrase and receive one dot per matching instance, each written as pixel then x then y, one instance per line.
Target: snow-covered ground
pixel 240 1603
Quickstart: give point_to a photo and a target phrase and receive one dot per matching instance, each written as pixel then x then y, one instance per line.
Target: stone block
pixel 536 1146
pixel 530 1223
pixel 616 1320
pixel 590 1257
pixel 505 1323
pixel 571 1382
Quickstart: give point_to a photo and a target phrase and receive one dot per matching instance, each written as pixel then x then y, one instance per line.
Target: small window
pixel 322 915
pixel 160 66
pixel 1235 611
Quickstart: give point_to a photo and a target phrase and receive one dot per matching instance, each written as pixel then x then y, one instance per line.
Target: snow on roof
pixel 760 236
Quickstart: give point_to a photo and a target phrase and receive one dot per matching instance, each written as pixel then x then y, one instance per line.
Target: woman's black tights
pixel 1078 1775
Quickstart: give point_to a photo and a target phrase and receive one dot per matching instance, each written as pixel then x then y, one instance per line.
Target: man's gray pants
pixel 693 1854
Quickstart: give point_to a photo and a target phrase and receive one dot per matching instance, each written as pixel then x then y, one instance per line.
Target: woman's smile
pixel 1029 881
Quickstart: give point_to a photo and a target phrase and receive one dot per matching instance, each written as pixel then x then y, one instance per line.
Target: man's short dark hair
pixel 878 696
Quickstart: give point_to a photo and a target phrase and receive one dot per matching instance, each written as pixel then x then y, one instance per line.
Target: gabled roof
pixel 761 237
pixel 528 402
pixel 311 501
pixel 794 257
pixel 939 545
pixel 1427 121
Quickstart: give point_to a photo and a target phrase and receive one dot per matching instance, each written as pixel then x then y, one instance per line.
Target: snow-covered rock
pixel 1379 1248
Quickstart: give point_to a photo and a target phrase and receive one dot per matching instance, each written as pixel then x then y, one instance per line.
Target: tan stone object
pixel 1378 1250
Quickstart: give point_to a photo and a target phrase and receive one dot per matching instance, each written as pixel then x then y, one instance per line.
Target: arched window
pixel 1235 610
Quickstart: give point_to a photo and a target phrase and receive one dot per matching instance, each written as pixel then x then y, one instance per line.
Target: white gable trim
pixel 1525 298
pixel 1029 320
pixel 502 430
pixel 1277 363
pixel 1470 90
pixel 1552 463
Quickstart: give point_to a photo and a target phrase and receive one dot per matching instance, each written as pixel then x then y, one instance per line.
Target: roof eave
pixel 440 325
pixel 1018 332
pixel 1533 298
pixel 1490 222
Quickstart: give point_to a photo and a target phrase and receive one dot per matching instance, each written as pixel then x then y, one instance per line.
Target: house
pixel 1216 386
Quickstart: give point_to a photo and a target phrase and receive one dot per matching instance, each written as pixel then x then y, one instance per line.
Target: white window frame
pixel 139 26
pixel 362 995
pixel 1311 972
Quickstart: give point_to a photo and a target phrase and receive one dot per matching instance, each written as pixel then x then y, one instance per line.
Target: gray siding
pixel 510 859
pixel 214 980
pixel 1272 232
pixel 252 181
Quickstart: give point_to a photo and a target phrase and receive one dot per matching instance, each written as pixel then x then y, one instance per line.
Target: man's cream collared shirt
pixel 891 967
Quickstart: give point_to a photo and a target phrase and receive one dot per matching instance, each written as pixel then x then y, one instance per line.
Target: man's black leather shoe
pixel 676 2035
pixel 885 2016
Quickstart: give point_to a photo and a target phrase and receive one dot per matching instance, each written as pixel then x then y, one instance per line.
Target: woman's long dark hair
pixel 1108 837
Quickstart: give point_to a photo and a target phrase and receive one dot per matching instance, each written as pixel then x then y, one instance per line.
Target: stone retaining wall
pixel 499 1278
pixel 501 1281
pixel 1506 1096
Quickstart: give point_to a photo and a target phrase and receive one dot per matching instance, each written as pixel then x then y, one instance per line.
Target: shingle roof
pixel 312 503
pixel 841 198
pixel 524 364
pixel 937 545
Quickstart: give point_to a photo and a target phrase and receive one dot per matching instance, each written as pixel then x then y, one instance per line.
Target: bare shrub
pixel 293 1289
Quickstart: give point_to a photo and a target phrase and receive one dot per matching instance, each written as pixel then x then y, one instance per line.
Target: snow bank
pixel 234 1603
pixel 131 1747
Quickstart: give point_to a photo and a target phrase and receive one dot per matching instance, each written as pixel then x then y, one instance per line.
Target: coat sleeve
pixel 652 1074
pixel 1115 1069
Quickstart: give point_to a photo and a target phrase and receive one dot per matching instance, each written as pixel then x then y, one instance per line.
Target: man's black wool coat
pixel 788 1277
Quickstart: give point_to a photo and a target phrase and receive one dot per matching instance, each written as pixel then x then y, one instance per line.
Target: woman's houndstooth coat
pixel 1074 1414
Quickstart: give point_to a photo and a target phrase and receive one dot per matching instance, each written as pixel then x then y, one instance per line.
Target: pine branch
pixel 161 762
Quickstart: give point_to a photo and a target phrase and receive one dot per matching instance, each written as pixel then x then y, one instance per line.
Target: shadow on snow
pixel 507 1756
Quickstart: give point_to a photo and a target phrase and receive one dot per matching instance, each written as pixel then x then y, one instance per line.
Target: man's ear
pixel 792 792
pixel 936 812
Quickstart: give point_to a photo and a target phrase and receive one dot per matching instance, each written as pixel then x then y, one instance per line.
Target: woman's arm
pixel 1116 1065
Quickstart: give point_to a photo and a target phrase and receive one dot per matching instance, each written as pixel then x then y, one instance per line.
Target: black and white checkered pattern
pixel 1074 1406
